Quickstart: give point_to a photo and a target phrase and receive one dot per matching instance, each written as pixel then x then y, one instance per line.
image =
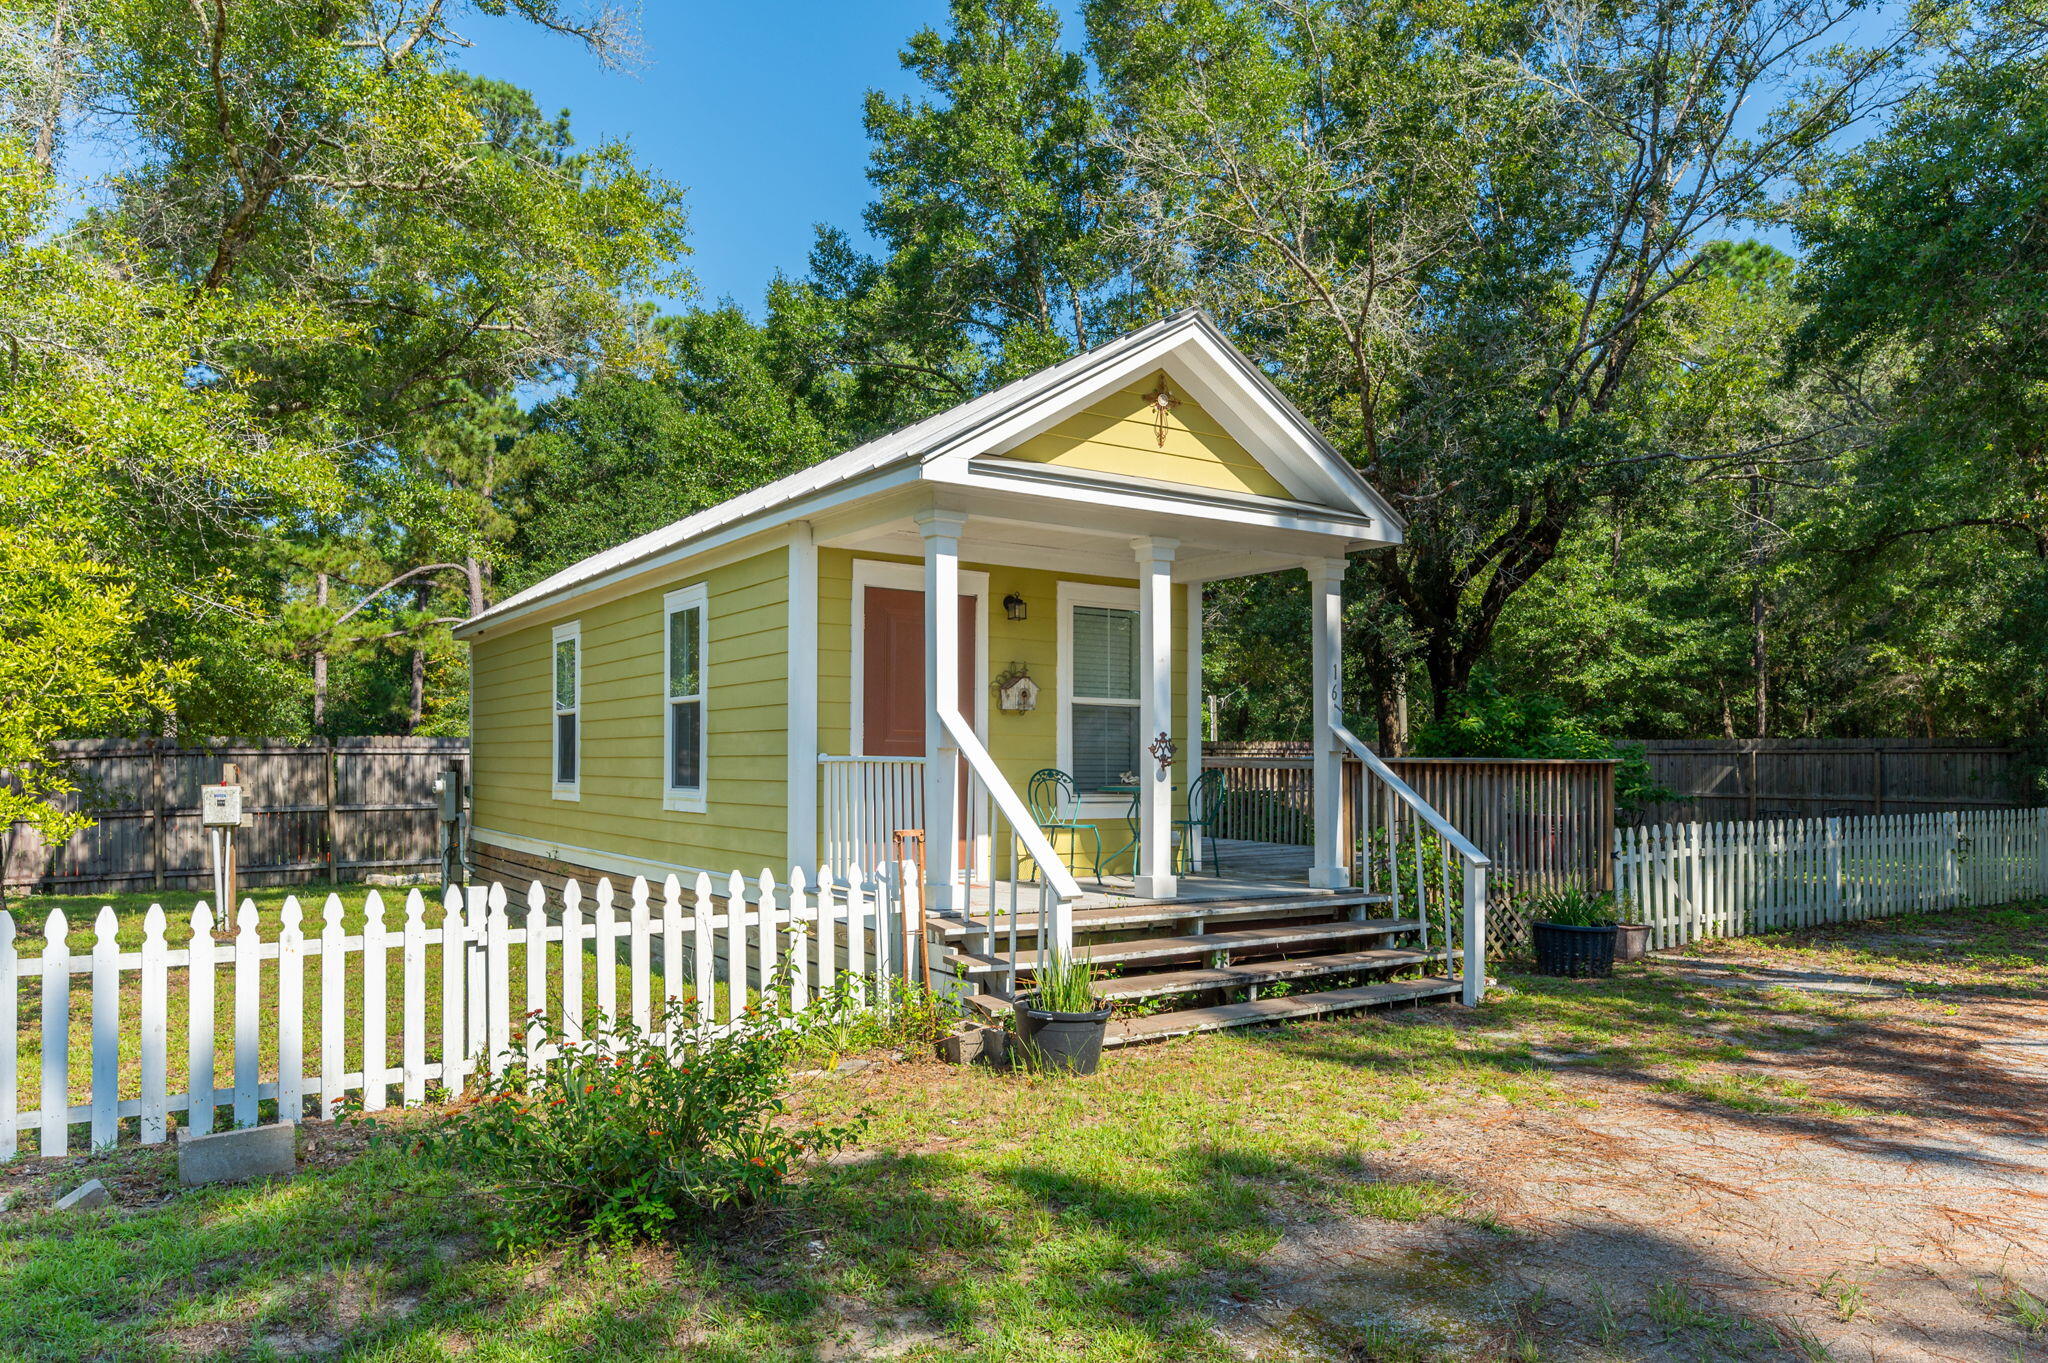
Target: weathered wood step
pixel 1261 973
pixel 1292 1008
pixel 1200 944
pixel 1121 916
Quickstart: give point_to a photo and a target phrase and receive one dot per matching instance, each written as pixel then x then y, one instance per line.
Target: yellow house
pixel 924 623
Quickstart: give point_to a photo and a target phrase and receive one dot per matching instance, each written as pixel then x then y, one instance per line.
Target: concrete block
pixel 238 1156
pixel 86 1196
pixel 975 1045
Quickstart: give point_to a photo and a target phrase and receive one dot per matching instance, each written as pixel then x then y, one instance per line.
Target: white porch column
pixel 1330 870
pixel 941 530
pixel 1155 714
pixel 1192 703
pixel 803 699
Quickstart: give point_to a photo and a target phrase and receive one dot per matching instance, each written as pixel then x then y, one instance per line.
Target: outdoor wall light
pixel 1014 607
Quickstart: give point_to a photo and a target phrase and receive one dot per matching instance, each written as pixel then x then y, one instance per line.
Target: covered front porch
pixel 1040 681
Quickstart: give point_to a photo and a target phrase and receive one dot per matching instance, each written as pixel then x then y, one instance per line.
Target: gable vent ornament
pixel 1162 401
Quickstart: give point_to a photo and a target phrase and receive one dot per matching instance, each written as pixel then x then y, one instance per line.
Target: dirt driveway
pixel 1871 1189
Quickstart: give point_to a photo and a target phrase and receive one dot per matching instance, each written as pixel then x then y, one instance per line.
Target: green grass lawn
pixel 985 1215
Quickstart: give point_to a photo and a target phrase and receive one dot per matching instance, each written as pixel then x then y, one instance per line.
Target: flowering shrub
pixel 624 1135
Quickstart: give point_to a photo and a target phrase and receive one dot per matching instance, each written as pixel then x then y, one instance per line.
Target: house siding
pixel 1120 433
pixel 1020 743
pixel 620 807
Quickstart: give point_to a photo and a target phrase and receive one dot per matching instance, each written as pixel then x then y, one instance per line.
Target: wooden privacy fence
pixel 329 811
pixel 1785 778
pixel 1543 823
pixel 360 1005
pixel 1692 880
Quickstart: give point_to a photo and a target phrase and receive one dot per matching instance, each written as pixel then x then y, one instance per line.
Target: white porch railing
pixel 1396 844
pixel 866 800
pixel 986 787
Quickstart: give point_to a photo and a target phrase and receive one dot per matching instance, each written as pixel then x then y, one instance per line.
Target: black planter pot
pixel 1574 952
pixel 1070 1042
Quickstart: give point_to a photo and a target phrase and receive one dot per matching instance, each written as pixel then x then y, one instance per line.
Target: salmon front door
pixel 892 671
pixel 892 680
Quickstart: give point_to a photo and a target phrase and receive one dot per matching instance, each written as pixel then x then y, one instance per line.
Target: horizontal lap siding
pixel 1020 743
pixel 620 812
pixel 1120 434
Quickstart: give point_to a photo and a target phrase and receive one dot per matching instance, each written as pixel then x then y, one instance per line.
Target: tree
pixel 993 198
pixel 118 477
pixel 1452 233
pixel 629 453
pixel 1927 269
pixel 437 241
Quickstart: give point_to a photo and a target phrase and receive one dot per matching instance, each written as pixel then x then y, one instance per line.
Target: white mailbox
pixel 220 806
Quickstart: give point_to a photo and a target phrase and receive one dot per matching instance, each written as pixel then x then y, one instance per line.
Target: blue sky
pixel 755 107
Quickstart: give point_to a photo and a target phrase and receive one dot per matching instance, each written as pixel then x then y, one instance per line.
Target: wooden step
pixel 1200 944
pixel 1261 973
pixel 1121 916
pixel 1292 1008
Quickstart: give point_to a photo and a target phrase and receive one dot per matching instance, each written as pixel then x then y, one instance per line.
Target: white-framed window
pixel 567 668
pixel 1098 688
pixel 686 656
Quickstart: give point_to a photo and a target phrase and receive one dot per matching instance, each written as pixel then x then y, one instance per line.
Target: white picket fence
pixel 1698 880
pixel 753 935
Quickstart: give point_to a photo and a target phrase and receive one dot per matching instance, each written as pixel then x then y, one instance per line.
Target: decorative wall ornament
pixel 1016 693
pixel 1164 749
pixel 1162 401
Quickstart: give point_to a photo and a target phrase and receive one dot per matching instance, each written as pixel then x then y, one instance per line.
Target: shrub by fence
pixel 332 811
pixel 1694 880
pixel 320 1012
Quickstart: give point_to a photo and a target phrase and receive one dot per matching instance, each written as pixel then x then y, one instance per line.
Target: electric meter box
pixel 220 806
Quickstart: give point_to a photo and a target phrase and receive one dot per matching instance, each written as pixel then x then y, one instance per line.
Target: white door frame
pixel 909 577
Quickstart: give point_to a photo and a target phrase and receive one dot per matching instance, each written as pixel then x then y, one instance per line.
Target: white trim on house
pixel 567 631
pixel 909 577
pixel 1072 594
pixel 939 450
pixel 686 799
pixel 801 654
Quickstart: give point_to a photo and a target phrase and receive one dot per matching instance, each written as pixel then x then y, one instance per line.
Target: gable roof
pixel 970 428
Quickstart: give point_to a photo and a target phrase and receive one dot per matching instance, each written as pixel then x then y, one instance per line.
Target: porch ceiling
pixel 1093 539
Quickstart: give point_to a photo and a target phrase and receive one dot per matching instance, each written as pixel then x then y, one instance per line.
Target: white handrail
pixel 1049 864
pixel 1445 829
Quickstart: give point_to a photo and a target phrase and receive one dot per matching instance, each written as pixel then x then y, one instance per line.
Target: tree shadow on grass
pixel 1199 1251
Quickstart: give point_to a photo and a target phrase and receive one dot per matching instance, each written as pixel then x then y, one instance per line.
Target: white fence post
pixel 155 1028
pixel 454 1008
pixel 10 1029
pixel 199 1024
pixel 333 1008
pixel 413 1032
pixel 291 1012
pixel 56 1036
pixel 376 1015
pixel 106 1032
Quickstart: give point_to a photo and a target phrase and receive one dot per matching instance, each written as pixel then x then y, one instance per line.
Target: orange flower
pixel 616 1090
pixel 757 1160
pixel 587 1088
pixel 558 1102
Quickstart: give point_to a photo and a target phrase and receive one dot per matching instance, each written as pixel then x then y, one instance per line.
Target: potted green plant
pixel 1060 1026
pixel 1574 933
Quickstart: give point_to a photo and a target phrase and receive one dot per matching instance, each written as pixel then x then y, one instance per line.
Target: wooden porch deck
pixel 1250 870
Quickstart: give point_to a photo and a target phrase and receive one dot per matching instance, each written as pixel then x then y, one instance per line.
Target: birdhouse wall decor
pixel 1016 693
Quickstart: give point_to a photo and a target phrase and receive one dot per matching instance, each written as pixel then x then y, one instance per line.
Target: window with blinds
pixel 1105 696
